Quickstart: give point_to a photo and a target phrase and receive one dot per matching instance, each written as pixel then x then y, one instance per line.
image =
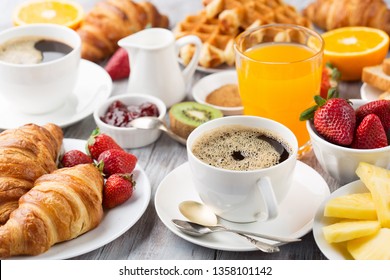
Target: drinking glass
pixel 279 69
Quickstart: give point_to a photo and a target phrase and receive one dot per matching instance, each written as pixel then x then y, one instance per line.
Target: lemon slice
pixel 352 48
pixel 63 12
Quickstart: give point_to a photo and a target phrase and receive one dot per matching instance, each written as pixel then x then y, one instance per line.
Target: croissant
pixel 331 14
pixel 26 153
pixel 61 206
pixel 111 20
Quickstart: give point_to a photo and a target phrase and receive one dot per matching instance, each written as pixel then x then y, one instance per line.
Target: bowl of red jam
pixel 114 115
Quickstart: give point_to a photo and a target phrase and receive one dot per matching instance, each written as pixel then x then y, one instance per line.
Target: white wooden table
pixel 149 239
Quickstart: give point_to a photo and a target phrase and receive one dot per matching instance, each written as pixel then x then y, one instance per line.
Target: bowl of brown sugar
pixel 219 90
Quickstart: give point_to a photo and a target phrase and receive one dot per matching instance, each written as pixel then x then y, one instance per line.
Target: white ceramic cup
pixel 43 87
pixel 243 196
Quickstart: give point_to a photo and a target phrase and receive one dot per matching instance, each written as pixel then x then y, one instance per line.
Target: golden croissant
pixel 61 206
pixel 26 153
pixel 111 20
pixel 331 14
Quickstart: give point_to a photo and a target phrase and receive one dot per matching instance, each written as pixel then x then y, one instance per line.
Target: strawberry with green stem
pixel 117 190
pixel 100 142
pixel 334 118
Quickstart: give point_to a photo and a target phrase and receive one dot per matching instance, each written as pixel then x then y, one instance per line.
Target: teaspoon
pixel 201 215
pixel 195 229
pixel 156 123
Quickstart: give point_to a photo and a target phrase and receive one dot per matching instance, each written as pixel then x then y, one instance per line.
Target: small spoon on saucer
pixel 201 215
pixel 195 229
pixel 156 123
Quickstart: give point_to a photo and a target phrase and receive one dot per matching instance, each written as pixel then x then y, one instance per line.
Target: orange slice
pixel 63 12
pixel 352 48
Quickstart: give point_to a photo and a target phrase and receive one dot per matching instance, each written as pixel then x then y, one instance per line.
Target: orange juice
pixel 278 81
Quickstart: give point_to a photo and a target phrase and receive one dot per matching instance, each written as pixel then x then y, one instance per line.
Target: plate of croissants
pixel 60 216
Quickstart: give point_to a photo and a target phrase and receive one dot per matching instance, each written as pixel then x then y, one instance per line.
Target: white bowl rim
pixel 209 79
pixel 158 102
pixel 314 134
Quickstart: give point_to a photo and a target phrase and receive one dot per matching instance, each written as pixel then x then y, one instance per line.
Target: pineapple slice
pixel 377 180
pixel 344 231
pixel 359 206
pixel 373 247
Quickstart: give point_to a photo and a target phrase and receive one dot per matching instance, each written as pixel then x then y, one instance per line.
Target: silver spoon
pixel 156 123
pixel 195 229
pixel 201 215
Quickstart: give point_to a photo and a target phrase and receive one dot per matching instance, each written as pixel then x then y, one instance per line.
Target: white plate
pixel 116 221
pixel 220 68
pixel 295 219
pixel 370 93
pixel 206 70
pixel 212 82
pixel 334 251
pixel 93 86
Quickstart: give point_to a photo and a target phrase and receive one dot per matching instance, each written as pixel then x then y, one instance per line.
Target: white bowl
pixel 130 137
pixel 341 162
pixel 212 82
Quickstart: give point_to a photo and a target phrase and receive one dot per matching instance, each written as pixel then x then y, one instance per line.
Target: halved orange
pixel 352 48
pixel 63 12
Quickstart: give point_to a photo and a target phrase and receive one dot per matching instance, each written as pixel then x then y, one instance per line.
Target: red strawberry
pixel 381 108
pixel 100 142
pixel 74 157
pixel 336 121
pixel 334 118
pixel 117 161
pixel 370 134
pixel 117 189
pixel 118 65
pixel 329 79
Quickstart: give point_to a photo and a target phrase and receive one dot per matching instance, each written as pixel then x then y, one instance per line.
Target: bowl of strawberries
pixel 346 132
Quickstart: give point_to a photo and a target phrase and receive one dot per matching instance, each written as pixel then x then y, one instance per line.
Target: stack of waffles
pixel 222 20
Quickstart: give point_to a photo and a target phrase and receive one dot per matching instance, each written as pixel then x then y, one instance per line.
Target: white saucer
pixel 370 93
pixel 94 85
pixel 334 251
pixel 115 222
pixel 296 216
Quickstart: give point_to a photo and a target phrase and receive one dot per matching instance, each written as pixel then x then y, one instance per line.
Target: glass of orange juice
pixel 279 69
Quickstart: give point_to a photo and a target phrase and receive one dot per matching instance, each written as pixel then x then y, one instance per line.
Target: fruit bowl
pixel 130 137
pixel 341 162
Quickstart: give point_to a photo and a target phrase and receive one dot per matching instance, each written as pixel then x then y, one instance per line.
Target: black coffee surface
pixel 32 50
pixel 52 50
pixel 242 148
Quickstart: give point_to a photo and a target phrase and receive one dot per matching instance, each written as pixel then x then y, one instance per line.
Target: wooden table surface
pixel 149 239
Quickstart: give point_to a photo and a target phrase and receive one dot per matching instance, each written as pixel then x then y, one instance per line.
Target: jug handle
pixel 189 70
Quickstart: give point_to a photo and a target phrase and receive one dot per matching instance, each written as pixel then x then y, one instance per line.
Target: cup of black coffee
pixel 242 166
pixel 38 66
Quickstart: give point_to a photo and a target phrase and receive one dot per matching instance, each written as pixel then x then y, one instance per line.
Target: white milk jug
pixel 154 67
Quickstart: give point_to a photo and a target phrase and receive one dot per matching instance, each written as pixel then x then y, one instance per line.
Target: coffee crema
pixel 241 148
pixel 32 50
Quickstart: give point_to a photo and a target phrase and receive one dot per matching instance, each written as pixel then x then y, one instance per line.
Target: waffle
pixel 222 20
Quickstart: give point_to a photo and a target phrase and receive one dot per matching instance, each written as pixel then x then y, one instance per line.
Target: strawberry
pixel 117 189
pixel 334 119
pixel 370 134
pixel 381 108
pixel 100 142
pixel 117 161
pixel 74 157
pixel 118 65
pixel 329 79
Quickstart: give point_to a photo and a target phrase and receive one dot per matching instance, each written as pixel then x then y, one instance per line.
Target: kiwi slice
pixel 184 117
